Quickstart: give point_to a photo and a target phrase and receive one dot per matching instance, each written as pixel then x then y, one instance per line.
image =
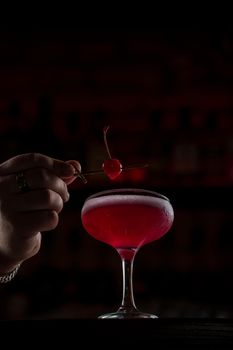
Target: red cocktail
pixel 127 219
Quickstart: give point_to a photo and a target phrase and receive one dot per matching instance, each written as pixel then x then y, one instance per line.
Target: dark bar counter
pixel 81 333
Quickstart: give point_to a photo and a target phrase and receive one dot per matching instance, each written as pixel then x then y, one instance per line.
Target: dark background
pixel 166 93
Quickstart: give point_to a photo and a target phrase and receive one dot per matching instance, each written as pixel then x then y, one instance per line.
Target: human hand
pixel 33 190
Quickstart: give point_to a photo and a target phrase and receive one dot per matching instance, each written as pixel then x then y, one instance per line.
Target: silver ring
pixel 22 182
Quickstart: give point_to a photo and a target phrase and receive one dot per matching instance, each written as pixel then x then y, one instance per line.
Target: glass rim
pixel 125 190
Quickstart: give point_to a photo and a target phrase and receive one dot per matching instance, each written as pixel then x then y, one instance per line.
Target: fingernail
pixel 79 174
pixel 75 164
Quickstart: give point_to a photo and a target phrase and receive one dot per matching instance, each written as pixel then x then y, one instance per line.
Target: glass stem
pixel 127 258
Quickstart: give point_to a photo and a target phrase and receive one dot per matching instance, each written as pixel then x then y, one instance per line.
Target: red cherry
pixel 112 166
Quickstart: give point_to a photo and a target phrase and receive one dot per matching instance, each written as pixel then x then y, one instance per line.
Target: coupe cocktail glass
pixel 127 219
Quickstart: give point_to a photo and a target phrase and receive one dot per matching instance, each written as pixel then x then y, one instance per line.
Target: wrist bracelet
pixel 10 275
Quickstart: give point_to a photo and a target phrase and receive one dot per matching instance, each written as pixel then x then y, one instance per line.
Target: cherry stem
pixel 93 172
pixel 106 142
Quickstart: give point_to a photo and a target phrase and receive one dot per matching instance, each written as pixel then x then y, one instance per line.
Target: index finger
pixel 36 160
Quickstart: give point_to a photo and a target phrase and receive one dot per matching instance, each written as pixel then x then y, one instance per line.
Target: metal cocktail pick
pixel 82 176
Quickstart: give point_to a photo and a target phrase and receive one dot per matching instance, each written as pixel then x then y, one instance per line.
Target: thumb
pixel 77 169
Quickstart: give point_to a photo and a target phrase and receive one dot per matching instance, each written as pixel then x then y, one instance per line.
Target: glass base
pixel 127 315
